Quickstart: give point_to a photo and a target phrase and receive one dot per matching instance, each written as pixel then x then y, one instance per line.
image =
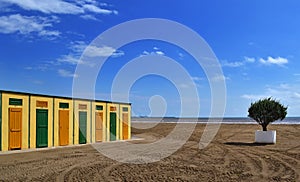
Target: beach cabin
pixel 125 125
pixel 113 122
pixel 38 121
pixel 99 122
pixel 41 121
pixel 14 121
pixel 63 121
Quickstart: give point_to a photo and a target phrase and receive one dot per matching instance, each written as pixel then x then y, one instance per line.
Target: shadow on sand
pixel 246 144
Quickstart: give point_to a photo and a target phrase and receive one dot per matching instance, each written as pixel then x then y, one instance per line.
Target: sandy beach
pixel 231 156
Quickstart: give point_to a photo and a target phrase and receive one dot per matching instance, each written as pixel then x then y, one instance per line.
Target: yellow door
pixel 125 126
pixel 15 128
pixel 99 128
pixel 63 127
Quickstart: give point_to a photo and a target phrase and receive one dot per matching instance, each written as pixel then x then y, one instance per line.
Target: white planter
pixel 265 136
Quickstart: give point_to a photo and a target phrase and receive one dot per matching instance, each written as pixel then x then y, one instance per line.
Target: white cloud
pixel 16 23
pixel 27 24
pixel 239 63
pixel 53 6
pixel 160 53
pixel 73 58
pixel 78 47
pixel 49 33
pixel 61 7
pixel 249 60
pixel 94 51
pixel 145 53
pixel 233 64
pixel 118 53
pixel 66 73
pixel 70 59
pixel 269 61
pixel 277 61
pixel 98 10
pixel 89 17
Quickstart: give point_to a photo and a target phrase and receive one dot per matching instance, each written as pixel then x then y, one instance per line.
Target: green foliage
pixel 266 111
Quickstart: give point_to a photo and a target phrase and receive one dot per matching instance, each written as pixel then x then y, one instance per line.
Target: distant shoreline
pixel 226 120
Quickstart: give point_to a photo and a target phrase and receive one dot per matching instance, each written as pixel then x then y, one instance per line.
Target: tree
pixel 265 111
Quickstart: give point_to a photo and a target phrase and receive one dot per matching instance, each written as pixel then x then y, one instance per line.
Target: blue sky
pixel 256 42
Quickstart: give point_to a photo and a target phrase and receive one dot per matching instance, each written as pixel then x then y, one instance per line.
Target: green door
pixel 113 126
pixel 82 127
pixel 41 128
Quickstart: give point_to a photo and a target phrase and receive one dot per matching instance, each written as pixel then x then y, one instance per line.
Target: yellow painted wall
pixel 56 119
pixel 94 104
pixel 5 119
pixel 33 107
pixel 129 120
pixel 76 120
pixel 109 105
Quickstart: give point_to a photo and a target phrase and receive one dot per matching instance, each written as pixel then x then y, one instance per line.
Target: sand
pixel 231 156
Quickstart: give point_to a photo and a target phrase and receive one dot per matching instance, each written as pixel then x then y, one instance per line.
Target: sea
pixel 226 120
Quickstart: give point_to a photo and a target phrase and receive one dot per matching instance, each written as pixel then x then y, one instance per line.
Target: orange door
pixel 15 128
pixel 99 128
pixel 125 126
pixel 63 127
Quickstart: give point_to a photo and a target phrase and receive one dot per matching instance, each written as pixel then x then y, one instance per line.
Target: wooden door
pixel 125 125
pixel 63 127
pixel 15 128
pixel 99 128
pixel 41 128
pixel 113 126
pixel 82 127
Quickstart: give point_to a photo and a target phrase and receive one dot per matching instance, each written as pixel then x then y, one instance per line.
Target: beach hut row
pixel 34 121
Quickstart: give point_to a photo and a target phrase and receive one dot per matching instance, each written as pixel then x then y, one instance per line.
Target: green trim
pixel 15 102
pixel 63 105
pixel 0 121
pixel 125 109
pixel 99 107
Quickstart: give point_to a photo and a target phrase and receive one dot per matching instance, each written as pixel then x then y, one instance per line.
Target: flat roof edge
pixel 61 97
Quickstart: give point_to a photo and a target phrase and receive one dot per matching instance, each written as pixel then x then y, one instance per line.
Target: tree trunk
pixel 264 126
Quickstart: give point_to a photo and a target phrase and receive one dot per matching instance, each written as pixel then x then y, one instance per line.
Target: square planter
pixel 265 136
